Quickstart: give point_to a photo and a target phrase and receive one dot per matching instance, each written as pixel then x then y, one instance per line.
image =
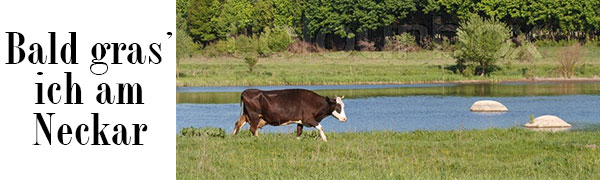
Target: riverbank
pixel 514 153
pixel 338 68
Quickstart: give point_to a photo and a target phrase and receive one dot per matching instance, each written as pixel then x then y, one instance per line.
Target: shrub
pixel 592 42
pixel 443 45
pixel 527 52
pixel 272 40
pixel 479 42
pixel 406 40
pixel 568 60
pixel 403 42
pixel 263 49
pixel 225 46
pixel 389 44
pixel 202 132
pixel 277 39
pixel 185 46
pixel 245 45
pixel 523 54
pixel 251 62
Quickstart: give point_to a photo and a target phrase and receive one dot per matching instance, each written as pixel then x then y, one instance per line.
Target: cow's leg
pixel 239 124
pixel 253 120
pixel 299 131
pixel 320 128
pixel 254 129
pixel 261 123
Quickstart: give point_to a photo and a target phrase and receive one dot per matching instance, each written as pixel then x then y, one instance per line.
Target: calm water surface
pixel 411 107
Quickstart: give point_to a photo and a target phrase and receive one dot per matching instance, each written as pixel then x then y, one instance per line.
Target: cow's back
pixel 296 98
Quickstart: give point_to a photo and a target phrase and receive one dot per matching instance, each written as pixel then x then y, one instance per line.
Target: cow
pixel 288 106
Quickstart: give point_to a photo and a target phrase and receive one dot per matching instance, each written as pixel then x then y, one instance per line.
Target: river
pixel 411 107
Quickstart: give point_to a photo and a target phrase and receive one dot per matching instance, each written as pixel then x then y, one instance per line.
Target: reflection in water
pixel 467 90
pixel 409 108
pixel 489 113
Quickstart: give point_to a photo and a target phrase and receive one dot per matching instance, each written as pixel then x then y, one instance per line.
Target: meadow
pixel 513 153
pixel 358 67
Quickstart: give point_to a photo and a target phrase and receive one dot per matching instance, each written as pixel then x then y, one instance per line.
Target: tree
pixel 185 46
pixel 479 42
pixel 288 13
pixel 347 17
pixel 262 15
pixel 200 19
pixel 181 12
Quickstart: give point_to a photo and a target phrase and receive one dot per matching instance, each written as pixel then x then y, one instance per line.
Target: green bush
pixel 526 52
pixel 592 42
pixel 443 45
pixel 202 132
pixel 221 47
pixel 406 40
pixel 480 42
pixel 278 39
pixel 185 46
pixel 251 62
pixel 245 45
pixel 263 49
pixel 272 40
pixel 403 42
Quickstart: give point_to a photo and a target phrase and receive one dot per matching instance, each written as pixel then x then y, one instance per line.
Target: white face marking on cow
pixel 340 115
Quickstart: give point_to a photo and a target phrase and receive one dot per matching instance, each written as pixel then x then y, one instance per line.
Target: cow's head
pixel 338 111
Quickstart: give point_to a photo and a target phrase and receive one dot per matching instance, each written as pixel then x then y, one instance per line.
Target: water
pixel 411 107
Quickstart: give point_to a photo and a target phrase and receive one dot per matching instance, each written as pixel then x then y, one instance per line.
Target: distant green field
pixel 365 68
pixel 473 154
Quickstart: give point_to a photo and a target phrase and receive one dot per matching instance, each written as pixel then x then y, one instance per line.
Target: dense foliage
pixel 185 45
pixel 210 20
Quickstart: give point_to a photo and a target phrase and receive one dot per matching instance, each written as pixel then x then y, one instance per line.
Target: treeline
pixel 209 21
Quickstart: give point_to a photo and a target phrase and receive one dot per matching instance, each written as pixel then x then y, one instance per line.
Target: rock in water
pixel 488 106
pixel 548 121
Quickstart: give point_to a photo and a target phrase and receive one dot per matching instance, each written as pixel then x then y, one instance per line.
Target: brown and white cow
pixel 288 106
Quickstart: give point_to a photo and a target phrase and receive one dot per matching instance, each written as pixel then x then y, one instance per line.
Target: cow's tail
pixel 241 105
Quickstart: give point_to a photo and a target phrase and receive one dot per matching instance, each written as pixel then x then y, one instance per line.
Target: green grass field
pixel 513 153
pixel 366 68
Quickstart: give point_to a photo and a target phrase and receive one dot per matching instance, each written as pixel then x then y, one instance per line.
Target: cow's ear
pixel 328 100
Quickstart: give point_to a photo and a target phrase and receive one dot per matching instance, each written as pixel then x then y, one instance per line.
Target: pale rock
pixel 548 121
pixel 488 106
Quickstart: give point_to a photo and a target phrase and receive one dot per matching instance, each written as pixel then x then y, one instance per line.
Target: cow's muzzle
pixel 341 117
